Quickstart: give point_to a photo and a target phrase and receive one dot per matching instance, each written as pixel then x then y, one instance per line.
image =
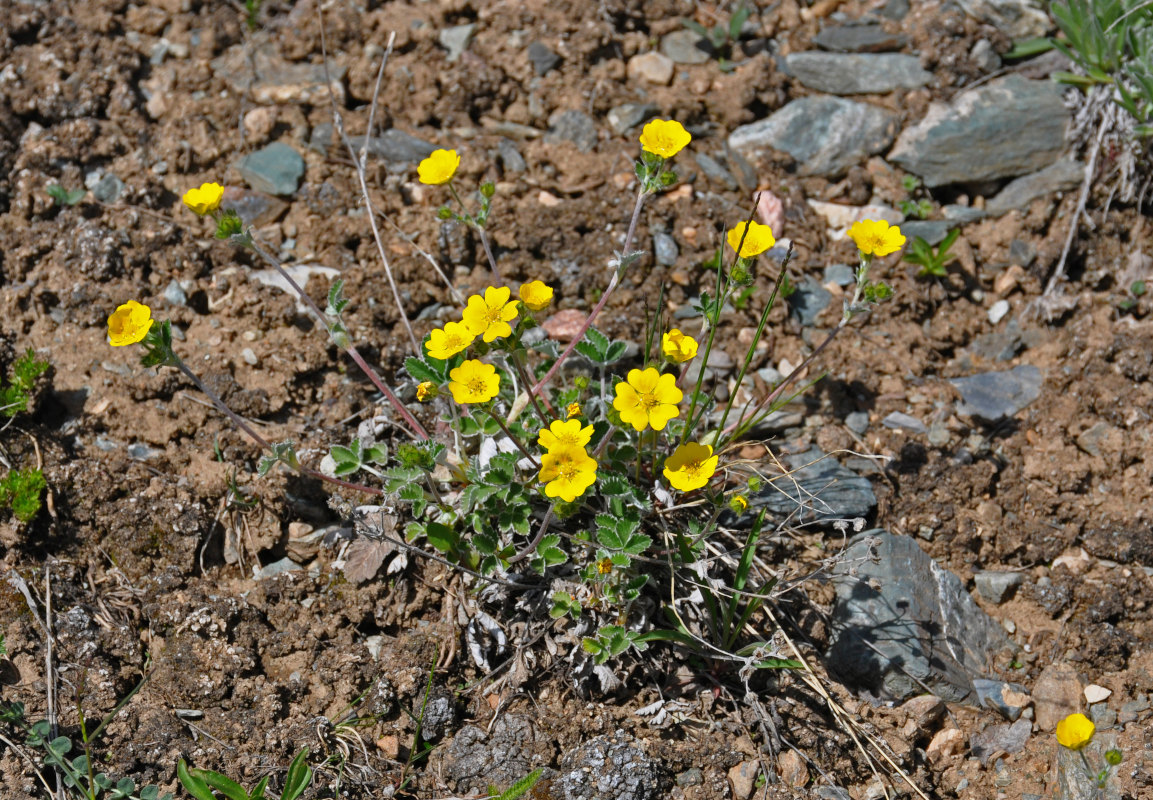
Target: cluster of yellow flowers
pixel 566 468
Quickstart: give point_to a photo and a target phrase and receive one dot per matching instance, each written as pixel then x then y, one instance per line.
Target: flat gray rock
pixel 573 126
pixel 276 169
pixel 901 625
pixel 456 39
pixel 996 395
pixel 858 39
pixel 931 230
pixel 818 489
pixel 808 300
pixel 1007 127
pixel 1063 176
pixel 686 47
pixel 856 73
pixel 272 80
pixel 396 146
pixel 997 587
pixel 543 59
pixel 826 135
pixel 627 116
pixel 665 249
pixel 716 171
pixel 1017 19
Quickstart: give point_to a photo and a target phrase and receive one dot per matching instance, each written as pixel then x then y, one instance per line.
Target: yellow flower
pixel 690 466
pixel 738 503
pixel 572 410
pixel 1075 731
pixel 447 342
pixel 604 566
pixel 875 237
pixel 648 398
pixel 489 316
pixel 559 435
pixel 757 240
pixel 537 295
pixel 567 473
pixel 438 168
pixel 205 199
pixel 664 138
pixel 677 347
pixel 129 323
pixel 474 382
pixel 426 390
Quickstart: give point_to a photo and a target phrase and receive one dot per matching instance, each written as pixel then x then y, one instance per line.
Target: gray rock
pixel 1103 716
pixel 1056 695
pixel 572 126
pixel 1063 176
pixel 962 214
pixel 276 169
pixel 775 423
pixel 437 715
pixel 858 422
pixel 984 56
pixel 665 249
pixel 1022 252
pixel 992 694
pixel 270 80
pixel 858 39
pixel 997 587
pixel 996 395
pixel 396 146
pixel 902 625
pixel 808 301
pixel 509 156
pixel 826 135
pixel 610 768
pixel 1004 345
pixel 856 73
pixel 818 489
pixel 254 208
pixel 1017 19
pixel 1004 738
pixel 1004 128
pixel 931 230
pixel 1075 782
pixel 277 567
pixel 904 422
pixel 832 793
pixel 691 777
pixel 456 39
pixel 142 452
pixel 627 116
pixel 716 172
pixel 686 47
pixel 895 9
pixel 108 189
pixel 174 293
pixel 543 60
pixel 840 274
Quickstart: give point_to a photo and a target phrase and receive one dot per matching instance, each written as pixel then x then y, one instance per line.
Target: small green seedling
pixel 918 208
pixel 20 490
pixel 933 261
pixel 65 197
pixel 723 36
pixel 1136 290
pixel 14 395
pixel 204 783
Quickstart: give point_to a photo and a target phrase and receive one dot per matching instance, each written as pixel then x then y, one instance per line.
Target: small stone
pixel 686 47
pixel 925 710
pixel 856 73
pixel 1091 439
pixel 932 231
pixel 840 216
pixel 572 126
pixel 1076 561
pixel 665 249
pixel 627 116
pixel 1000 739
pixel 793 769
pixel 984 57
pixel 858 39
pixel 108 189
pixel 1017 19
pixel 142 452
pixel 510 157
pixel 1022 253
pixel 1063 176
pixel 947 743
pixel 174 294
pixel 962 214
pixel 547 199
pixel 691 777
pixel 275 568
pixel 564 324
pixel 270 80
pixel 997 587
pixel 276 169
pixel 254 208
pixel 456 39
pixel 1007 699
pixel 808 301
pixel 858 422
pixel 743 778
pixel 840 274
pixel 997 395
pixel 1056 695
pixel 900 421
pixel 1103 716
pixel 1096 694
pixel 998 310
pixel 543 59
pixel 714 171
pixel 396 146
pixel 249 356
pixel 652 67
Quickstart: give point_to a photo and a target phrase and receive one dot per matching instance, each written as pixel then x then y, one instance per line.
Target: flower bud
pixel 488 189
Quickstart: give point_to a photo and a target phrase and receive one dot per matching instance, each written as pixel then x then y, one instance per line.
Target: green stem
pixel 714 323
pixel 511 435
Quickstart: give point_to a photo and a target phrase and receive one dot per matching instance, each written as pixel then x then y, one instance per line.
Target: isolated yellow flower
pixel 664 137
pixel 648 398
pixel 875 237
pixel 572 410
pixel 677 347
pixel 569 433
pixel 489 316
pixel 1075 731
pixel 604 566
pixel 129 323
pixel 426 390
pixel 537 295
pixel 438 168
pixel 690 466
pixel 205 199
pixel 567 473
pixel 447 342
pixel 757 240
pixel 473 382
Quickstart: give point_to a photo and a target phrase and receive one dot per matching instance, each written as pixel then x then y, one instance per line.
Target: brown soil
pixel 151 572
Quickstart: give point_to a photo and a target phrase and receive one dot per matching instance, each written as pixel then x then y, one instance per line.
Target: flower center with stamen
pixel 649 400
pixel 477 386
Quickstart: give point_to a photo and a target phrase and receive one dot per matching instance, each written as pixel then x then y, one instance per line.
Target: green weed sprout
pixel 16 393
pixel 932 261
pixel 722 36
pixel 203 784
pixel 21 490
pixel 64 197
pixel 912 206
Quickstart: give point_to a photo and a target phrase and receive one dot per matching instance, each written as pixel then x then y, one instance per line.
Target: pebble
pixel 901 421
pixel 627 116
pixel 840 216
pixel 652 67
pixel 174 293
pixel 924 710
pixel 1096 694
pixel 808 301
pixel 743 779
pixel 572 126
pixel 1063 176
pixel 932 231
pixel 1103 716
pixel 962 214
pixel 858 422
pixel 249 356
pixel 1056 695
pixel 456 39
pixel 840 274
pixel 984 57
pixel 996 395
pixel 107 188
pixel 142 452
pixel 1017 19
pixel 665 249
pixel 716 172
pixel 543 59
pixel 856 73
pixel 819 489
pixel 945 743
pixel 794 771
pixel 273 81
pixel 686 47
pixel 1004 738
pixel 996 586
pixel 394 146
pixel 858 39
pixel 254 208
pixel 275 568
pixel 998 310
pixel 510 157
pixel 276 169
pixel 564 324
pixel 1008 699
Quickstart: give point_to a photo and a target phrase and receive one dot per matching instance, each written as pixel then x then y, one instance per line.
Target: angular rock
pixel 808 301
pixel 901 624
pixel 1063 176
pixel 686 47
pixel 1004 128
pixel 1007 699
pixel 254 208
pixel 1000 739
pixel 996 395
pixel 858 39
pixel 826 135
pixel 108 188
pixel 665 249
pixel 840 274
pixel 652 67
pixel 1056 695
pixel 475 760
pixel 900 421
pixel 271 79
pixel 856 73
pixel 396 146
pixel 1017 19
pixel 610 768
pixel 818 489
pixel 627 116
pixel 510 156
pixel 931 230
pixel 573 126
pixel 858 422
pixel 997 587
pixel 715 171
pixel 543 59
pixel 276 169
pixel 840 216
pixel 456 39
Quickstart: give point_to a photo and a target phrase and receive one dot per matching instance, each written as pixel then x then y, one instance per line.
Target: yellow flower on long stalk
pixel 648 398
pixel 438 168
pixel 876 237
pixel 444 343
pixel 129 324
pixel 1075 731
pixel 474 382
pixel 691 466
pixel 536 295
pixel 758 239
pixel 488 316
pixel 664 137
pixel 677 347
pixel 559 435
pixel 204 199
pixel 567 473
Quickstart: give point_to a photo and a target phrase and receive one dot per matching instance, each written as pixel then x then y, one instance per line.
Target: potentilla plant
pixel 565 461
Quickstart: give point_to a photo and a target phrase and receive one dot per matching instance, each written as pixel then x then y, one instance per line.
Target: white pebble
pixel 998 310
pixel 1096 694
